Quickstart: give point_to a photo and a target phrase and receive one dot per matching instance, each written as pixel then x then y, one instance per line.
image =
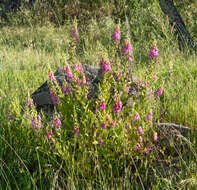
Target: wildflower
pixel 78 67
pixel 105 66
pixel 145 84
pixel 83 82
pixel 77 80
pixel 155 136
pixel 28 103
pixel 66 90
pixel 148 150
pixel 159 91
pixel 150 90
pixel 113 124
pixel 136 116
pixel 140 130
pixel 116 35
pixel 104 125
pixel 10 117
pixel 153 52
pixel 137 147
pixel 76 132
pixel 68 73
pixel 117 106
pixel 54 97
pixel 140 139
pixel 127 89
pixel 51 76
pixel 74 33
pixel 57 123
pixel 39 124
pixel 127 49
pixel 101 142
pixel 149 116
pixel 34 123
pixel 130 59
pixel 154 78
pixel 49 134
pixel 102 105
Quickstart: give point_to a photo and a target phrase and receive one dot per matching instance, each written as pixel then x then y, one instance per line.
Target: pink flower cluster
pixel 116 35
pixel 159 91
pixel 77 132
pixel 74 33
pixel 153 53
pixel 51 76
pixel 36 122
pixel 105 66
pixel 49 134
pixel 117 105
pixel 78 67
pixel 57 123
pixel 127 49
pixel 68 73
pixel 66 90
pixel 102 105
pixel 54 97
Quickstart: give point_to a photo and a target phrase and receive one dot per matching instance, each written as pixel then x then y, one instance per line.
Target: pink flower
pixel 155 137
pixel 39 124
pixel 116 35
pixel 148 150
pixel 102 105
pixel 150 91
pixel 83 82
pixel 68 73
pixel 140 130
pixel 77 132
pixel 104 125
pixel 105 66
pixel 57 123
pixel 140 139
pixel 54 97
pixel 78 67
pixel 149 116
pixel 74 33
pixel 51 76
pixel 28 103
pixel 159 91
pixel 127 49
pixel 130 59
pixel 154 78
pixel 113 124
pixel 136 116
pixel 36 123
pixel 10 117
pixel 137 147
pixel 127 89
pixel 66 90
pixel 117 106
pixel 153 53
pixel 101 142
pixel 49 134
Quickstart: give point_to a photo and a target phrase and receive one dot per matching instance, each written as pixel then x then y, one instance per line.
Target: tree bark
pixel 184 38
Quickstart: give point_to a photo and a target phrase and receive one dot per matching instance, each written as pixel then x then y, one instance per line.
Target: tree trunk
pixel 184 38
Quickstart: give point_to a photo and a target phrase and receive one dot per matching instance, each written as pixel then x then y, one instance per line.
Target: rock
pixel 41 97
